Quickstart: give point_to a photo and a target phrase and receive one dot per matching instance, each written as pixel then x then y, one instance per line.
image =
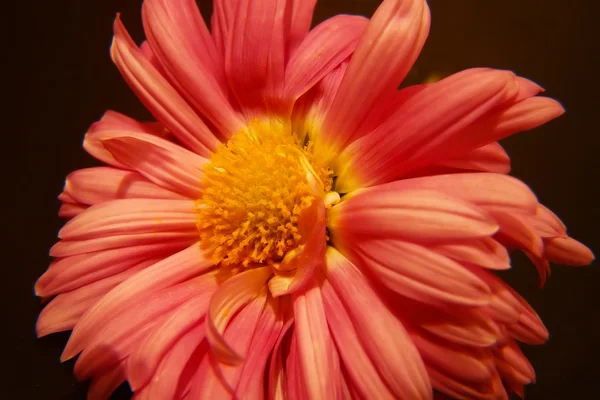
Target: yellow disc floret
pixel 255 188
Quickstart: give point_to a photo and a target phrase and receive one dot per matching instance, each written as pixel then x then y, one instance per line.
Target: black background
pixel 62 80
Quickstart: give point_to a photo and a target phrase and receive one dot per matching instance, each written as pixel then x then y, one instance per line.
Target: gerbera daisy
pixel 292 225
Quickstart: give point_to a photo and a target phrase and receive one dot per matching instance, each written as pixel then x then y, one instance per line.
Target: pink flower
pixel 293 226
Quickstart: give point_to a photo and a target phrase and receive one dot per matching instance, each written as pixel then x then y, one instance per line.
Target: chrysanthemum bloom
pixel 293 226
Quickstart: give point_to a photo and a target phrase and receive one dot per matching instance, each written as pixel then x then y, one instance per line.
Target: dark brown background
pixel 63 80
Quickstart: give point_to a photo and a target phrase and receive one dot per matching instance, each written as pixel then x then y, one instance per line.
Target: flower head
pixel 293 225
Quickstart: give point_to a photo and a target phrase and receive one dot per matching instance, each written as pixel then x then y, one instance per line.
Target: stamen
pixel 255 188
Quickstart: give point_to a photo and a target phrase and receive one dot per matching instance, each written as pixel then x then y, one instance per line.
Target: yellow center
pixel 255 188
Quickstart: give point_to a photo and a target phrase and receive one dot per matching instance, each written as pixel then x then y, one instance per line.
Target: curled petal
pixel 160 161
pixel 325 47
pixel 485 252
pixel 231 296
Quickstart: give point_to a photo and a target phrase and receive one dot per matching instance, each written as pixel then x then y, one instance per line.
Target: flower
pixel 293 226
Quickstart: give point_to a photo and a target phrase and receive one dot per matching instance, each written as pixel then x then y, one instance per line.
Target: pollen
pixel 254 189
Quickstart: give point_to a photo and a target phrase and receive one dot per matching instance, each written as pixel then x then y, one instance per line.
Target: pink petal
pixel 484 252
pixel 298 20
pixel 231 296
pixel 415 215
pixel 360 369
pixel 294 384
pixel 70 210
pixel 380 332
pixel 384 55
pixel 100 184
pixel 148 355
pixel 488 158
pixel 76 271
pixel 461 362
pixel 514 232
pixel 456 388
pixel 567 251
pixel 66 248
pixel 422 274
pixel 325 47
pixel 424 123
pixel 183 45
pixel 145 312
pixel 176 364
pixel 277 376
pixel 163 274
pixel 221 23
pixel 65 310
pixel 158 95
pixel 311 108
pixel 104 384
pixel 111 121
pixel 491 191
pixel 268 329
pixel 512 364
pixel 215 379
pixel 164 163
pixel 131 216
pixel 254 56
pixel 319 362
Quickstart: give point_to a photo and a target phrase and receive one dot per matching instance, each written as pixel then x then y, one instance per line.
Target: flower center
pixel 255 188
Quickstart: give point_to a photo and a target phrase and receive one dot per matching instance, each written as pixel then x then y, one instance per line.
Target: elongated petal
pixel 153 310
pixel 277 376
pixel 359 367
pixel 70 210
pixel 567 251
pixel 111 121
pixel 234 294
pixel 325 47
pixel 130 216
pixel 420 273
pixel 147 356
pixel 104 384
pixel 66 248
pixel 254 56
pixel 158 95
pixel 268 328
pixel 63 312
pixel 162 162
pixel 174 370
pixel 73 272
pixel 386 51
pixel 485 252
pixel 491 191
pixel 299 15
pixel 415 215
pixel 100 184
pixel 380 332
pixel 427 119
pixel 489 158
pixel 165 273
pixel 319 360
pixel 515 232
